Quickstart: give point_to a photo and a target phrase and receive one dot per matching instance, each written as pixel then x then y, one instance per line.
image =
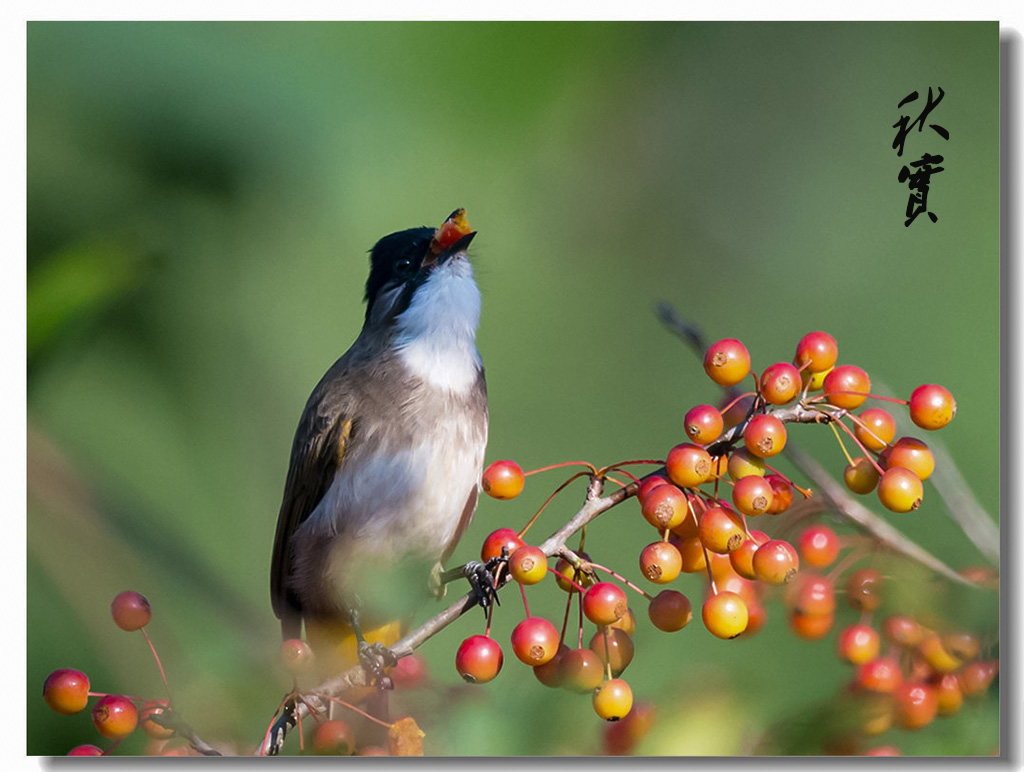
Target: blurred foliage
pixel 201 198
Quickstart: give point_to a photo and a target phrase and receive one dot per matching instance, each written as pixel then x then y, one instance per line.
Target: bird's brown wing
pixel 320 441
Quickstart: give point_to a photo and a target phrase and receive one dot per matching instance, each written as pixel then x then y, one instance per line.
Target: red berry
pixel 916 704
pixel 660 562
pixel 911 454
pixel 131 610
pixel 621 737
pixel 411 672
pixel 115 716
pixel 535 641
pixel 725 615
pixel 881 674
pixel 812 594
pixel 776 562
pixel 503 537
pixel 752 495
pixel 721 530
pixel 613 699
pixel 691 553
pixel 479 659
pixel 297 656
pixel 818 350
pixel 604 603
pixel 149 710
pixel 976 677
pixel 727 362
pixel 858 644
pixel 528 565
pixel 742 559
pixel 875 429
pixel 85 750
pixel 334 738
pixel 503 480
pixel 670 611
pixel 810 627
pixel 550 673
pixel 780 383
pixel 847 386
pixel 581 670
pixel 900 490
pixel 782 494
pixel 902 631
pixel 703 424
pixel 665 507
pixel 66 691
pixel 931 406
pixel 818 546
pixel 688 465
pixel 648 484
pixel 765 435
pixel 863 589
pixel 616 650
pixel 883 750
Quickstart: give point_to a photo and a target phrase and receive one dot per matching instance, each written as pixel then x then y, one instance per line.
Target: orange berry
pixel 660 562
pixel 847 386
pixel 725 615
pixel 876 428
pixel 900 490
pixel 765 435
pixel 703 424
pixel 66 690
pixel 931 406
pixel 912 454
pixel 688 465
pixel 528 565
pixel 613 699
pixel 503 480
pixel 727 362
pixel 818 350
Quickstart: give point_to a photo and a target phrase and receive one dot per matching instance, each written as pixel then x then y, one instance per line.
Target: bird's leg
pixel 483 578
pixel 374 657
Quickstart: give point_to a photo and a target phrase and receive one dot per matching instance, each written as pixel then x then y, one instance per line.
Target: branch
pixel 852 509
pixel 317 699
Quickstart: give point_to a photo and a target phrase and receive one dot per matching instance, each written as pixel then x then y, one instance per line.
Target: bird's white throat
pixel 437 332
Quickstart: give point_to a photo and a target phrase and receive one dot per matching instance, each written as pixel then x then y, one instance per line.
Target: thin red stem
pixel 620 577
pixel 547 501
pixel 163 676
pixel 587 464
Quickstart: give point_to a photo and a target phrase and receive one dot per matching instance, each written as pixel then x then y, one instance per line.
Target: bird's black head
pixel 401 262
pixel 395 260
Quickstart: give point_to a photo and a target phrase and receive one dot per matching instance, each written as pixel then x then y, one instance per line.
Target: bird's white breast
pixel 437 332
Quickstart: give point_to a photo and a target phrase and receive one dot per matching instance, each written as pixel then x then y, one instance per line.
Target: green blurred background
pixel 201 197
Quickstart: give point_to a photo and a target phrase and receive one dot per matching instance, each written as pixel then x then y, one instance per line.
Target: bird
pixel 386 461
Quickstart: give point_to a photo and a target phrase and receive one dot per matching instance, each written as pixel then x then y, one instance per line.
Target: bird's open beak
pixel 450 239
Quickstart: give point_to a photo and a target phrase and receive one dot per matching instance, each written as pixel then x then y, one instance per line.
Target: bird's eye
pixel 403 265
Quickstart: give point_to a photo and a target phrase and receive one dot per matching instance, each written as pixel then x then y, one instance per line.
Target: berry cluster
pixel 699 504
pixel 115 716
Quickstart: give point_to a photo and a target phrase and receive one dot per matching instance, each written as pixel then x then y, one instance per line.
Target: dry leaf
pixel 405 738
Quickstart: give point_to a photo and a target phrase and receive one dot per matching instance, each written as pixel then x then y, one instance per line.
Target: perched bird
pixel 387 457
